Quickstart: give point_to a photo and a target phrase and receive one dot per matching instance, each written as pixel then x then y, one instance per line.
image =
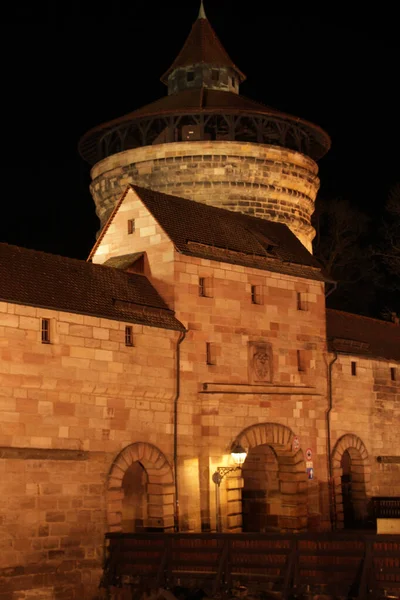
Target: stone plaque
pixel 260 362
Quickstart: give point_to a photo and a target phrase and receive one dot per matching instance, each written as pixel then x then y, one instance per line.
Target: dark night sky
pixel 67 69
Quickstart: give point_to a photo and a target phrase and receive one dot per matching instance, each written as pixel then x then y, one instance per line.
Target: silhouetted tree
pixel 387 255
pixel 341 245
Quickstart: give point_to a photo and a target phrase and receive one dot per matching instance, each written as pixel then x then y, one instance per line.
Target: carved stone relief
pixel 260 362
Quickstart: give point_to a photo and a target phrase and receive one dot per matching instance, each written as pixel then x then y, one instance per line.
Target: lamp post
pixel 238 454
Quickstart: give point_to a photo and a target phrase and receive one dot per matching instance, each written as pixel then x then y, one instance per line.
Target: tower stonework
pixel 205 142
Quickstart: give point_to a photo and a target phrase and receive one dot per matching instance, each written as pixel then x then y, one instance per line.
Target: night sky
pixel 68 69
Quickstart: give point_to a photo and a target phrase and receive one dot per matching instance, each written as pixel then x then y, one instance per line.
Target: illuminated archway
pixel 291 475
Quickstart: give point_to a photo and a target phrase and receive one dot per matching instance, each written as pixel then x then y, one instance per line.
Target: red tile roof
pixel 354 334
pixel 202 47
pixel 45 280
pixel 215 233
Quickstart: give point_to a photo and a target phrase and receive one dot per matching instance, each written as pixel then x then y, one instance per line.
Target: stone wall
pixel 365 419
pixel 265 181
pixel 227 397
pixel 67 410
pixel 231 399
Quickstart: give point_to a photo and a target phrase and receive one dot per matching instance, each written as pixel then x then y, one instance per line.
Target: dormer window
pixel 215 74
pixel 190 76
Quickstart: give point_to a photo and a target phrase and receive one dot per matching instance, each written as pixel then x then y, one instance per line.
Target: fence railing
pixel 386 508
pixel 278 565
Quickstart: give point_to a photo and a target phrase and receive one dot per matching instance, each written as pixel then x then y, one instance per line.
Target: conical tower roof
pixel 202 47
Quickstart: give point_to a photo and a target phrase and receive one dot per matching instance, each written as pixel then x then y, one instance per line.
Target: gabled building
pixel 197 325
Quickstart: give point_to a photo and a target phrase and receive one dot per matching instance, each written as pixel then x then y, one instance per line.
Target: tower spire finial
pixel 202 12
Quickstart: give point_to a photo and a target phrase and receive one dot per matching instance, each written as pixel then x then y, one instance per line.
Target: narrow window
pixel 301 303
pixel 300 361
pixel 131 226
pixel 256 297
pixel 393 373
pixel 233 82
pixel 190 76
pixel 202 286
pixel 128 336
pixel 205 287
pixel 353 368
pixel 210 353
pixel 215 75
pixel 45 331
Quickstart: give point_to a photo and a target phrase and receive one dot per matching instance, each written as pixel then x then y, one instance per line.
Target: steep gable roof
pixel 355 334
pixel 45 280
pixel 202 46
pixel 205 231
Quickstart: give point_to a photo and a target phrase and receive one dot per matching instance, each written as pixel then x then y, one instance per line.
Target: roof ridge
pixel 380 321
pixel 82 262
pixel 34 250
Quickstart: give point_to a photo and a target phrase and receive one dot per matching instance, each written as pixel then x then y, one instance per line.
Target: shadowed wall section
pixel 359 473
pixel 160 488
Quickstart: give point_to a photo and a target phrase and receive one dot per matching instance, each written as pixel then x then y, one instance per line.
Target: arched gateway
pixel 272 491
pixel 351 475
pixel 140 489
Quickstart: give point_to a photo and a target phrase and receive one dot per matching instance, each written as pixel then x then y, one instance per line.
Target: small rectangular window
pixel 233 82
pixel 301 303
pixel 210 353
pixel 131 226
pixel 393 373
pixel 128 336
pixel 353 368
pixel 190 76
pixel 45 331
pixel 256 295
pixel 215 75
pixel 205 287
pixel 300 361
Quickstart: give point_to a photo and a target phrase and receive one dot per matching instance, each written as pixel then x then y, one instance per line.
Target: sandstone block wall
pixel 367 405
pixel 232 324
pixel 261 180
pixel 149 237
pixel 229 400
pixel 67 409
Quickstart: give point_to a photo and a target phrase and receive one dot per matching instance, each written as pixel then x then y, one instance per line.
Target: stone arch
pixel 160 486
pixel 360 475
pixel 291 474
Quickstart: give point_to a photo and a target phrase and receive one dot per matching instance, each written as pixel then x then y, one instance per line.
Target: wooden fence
pixel 283 566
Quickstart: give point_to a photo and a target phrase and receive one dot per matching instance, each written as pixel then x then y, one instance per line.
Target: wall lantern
pixel 239 455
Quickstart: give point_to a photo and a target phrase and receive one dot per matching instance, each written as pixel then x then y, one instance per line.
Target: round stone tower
pixel 205 142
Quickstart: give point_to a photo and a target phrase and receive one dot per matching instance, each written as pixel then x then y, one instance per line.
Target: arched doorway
pixel 134 503
pixel 140 490
pixel 274 481
pixel 346 481
pixel 351 476
pixel 261 501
